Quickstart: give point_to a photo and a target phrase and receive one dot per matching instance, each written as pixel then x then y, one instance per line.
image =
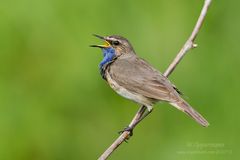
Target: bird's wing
pixel 137 76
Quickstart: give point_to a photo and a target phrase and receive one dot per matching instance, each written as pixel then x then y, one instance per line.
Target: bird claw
pixel 128 129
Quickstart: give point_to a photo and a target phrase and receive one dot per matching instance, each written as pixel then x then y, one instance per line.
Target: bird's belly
pixel 127 94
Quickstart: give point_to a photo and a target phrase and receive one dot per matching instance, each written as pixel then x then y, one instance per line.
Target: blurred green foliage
pixel 55 106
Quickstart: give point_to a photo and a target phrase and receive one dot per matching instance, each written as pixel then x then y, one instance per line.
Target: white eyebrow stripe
pixel 111 39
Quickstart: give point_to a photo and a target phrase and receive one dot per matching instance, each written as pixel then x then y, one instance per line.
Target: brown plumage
pixel 135 79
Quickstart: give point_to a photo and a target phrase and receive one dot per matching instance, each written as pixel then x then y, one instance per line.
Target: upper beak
pixel 105 45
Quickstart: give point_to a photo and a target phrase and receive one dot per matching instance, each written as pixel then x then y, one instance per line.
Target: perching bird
pixel 135 79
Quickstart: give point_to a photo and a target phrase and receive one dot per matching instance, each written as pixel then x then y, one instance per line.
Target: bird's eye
pixel 116 43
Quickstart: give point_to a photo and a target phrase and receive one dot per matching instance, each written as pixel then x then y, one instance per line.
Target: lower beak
pixel 105 45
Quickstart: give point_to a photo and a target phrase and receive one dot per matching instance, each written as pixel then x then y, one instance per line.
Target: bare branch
pixel 186 47
pixel 190 42
pixel 124 136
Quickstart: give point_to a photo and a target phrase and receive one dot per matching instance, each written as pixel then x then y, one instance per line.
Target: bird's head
pixel 118 44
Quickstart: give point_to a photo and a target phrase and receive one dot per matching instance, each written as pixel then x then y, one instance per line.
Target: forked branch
pixel 186 47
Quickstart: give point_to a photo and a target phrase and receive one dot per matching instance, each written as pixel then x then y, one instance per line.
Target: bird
pixel 134 78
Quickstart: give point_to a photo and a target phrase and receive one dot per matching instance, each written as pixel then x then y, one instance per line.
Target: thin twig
pixel 190 42
pixel 124 136
pixel 186 47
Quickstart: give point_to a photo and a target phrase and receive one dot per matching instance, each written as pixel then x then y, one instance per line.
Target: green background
pixel 54 105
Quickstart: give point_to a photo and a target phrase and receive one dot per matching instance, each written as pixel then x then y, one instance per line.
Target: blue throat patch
pixel 108 55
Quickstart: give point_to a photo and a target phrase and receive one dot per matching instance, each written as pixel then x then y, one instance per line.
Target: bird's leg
pixel 137 116
pixel 144 115
pixel 141 114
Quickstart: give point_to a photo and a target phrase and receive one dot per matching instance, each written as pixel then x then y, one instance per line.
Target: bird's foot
pixel 128 129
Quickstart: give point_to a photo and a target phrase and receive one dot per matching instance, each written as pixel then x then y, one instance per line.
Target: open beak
pixel 105 45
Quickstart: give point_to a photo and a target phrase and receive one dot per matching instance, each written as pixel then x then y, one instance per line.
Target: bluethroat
pixel 135 79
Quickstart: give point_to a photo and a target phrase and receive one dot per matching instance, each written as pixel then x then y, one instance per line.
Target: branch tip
pixel 194 45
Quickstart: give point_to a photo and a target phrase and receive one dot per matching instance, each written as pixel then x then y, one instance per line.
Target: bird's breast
pixel 126 93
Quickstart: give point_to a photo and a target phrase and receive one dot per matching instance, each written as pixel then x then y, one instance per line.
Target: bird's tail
pixel 186 108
